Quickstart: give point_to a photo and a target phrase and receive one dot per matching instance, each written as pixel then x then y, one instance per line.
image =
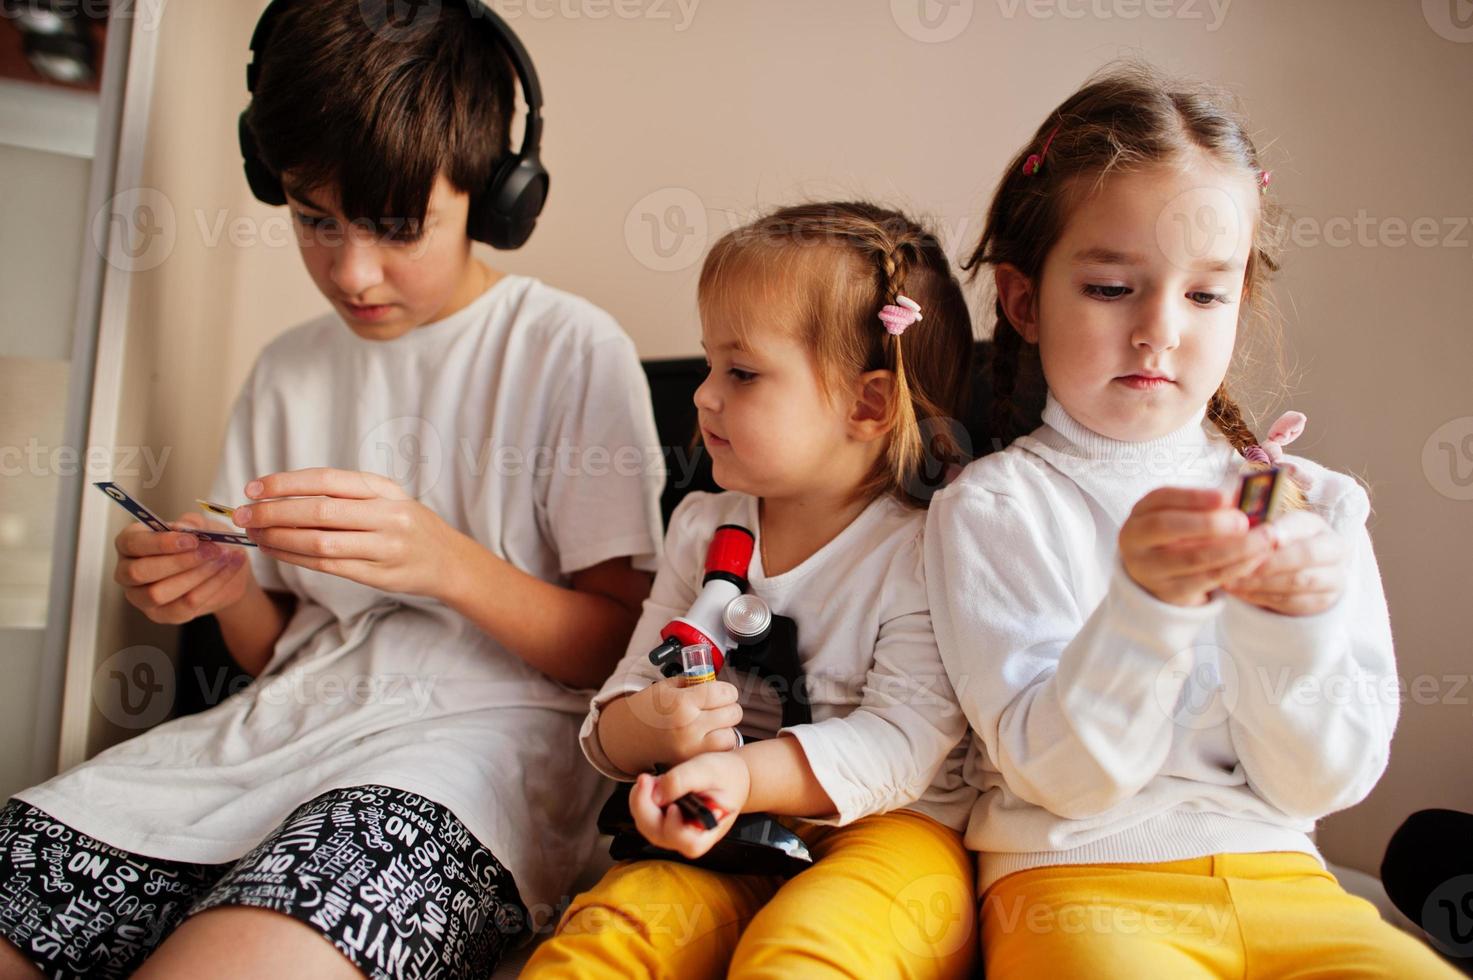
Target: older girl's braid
pixel 1228 418
pixel 1225 414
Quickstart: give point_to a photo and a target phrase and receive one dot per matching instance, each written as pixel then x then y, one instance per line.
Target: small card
pixel 150 519
pixel 1261 495
pixel 212 508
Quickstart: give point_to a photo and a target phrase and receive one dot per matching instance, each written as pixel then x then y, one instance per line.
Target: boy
pixel 449 481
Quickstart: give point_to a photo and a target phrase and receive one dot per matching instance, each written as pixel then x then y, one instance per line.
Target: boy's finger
pixel 188 606
pixel 137 541
pixel 145 571
pixel 165 591
pixel 324 481
pixel 321 544
pixel 331 512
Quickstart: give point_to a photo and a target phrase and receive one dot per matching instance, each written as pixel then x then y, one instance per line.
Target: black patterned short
pixel 395 881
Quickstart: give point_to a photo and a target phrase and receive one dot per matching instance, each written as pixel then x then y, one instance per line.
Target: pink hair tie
pixel 1035 160
pixel 900 314
pixel 1271 451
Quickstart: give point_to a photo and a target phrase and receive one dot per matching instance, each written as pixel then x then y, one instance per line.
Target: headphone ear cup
pixel 508 211
pixel 262 181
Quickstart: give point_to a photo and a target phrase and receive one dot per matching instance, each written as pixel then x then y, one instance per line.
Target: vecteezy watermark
pixel 143 220
pixel 1365 230
pixel 138 229
pixel 1202 223
pixel 403 20
pixel 932 915
pixel 410 451
pixel 1211 12
pixel 1014 914
pixel 147 13
pixel 1198 688
pixel 1447 458
pixel 932 21
pixel 134 688
pixel 1447 916
pixel 667 229
pixel 102 462
pixel 1451 20
pixel 681 13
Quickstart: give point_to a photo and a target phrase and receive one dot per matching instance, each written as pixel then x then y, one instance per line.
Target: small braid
pixel 1228 418
pixel 907 436
pixel 1225 414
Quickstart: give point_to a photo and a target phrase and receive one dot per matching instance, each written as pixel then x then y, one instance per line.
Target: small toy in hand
pixel 1261 495
pixel 1267 488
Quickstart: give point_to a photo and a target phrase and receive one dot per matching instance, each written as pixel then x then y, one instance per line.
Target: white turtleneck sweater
pixel 1113 727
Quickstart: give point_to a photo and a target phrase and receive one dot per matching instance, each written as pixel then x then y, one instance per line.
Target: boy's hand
pixel 722 781
pixel 669 723
pixel 1307 571
pixel 360 526
pixel 174 577
pixel 1180 544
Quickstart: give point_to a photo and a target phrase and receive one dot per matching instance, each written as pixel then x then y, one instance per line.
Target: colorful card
pixel 1261 495
pixel 150 519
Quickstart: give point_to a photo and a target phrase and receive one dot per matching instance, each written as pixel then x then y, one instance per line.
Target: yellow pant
pixel 1228 915
pixel 887 896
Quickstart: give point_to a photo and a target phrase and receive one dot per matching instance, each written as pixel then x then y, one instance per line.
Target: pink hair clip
pixel 1271 450
pixel 1264 176
pixel 1035 160
pixel 899 315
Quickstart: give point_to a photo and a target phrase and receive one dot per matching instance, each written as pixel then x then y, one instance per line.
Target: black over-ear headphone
pixel 504 212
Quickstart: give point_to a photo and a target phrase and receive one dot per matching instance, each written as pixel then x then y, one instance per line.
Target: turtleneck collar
pixel 1089 444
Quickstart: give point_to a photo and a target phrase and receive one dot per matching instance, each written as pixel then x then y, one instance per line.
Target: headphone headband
pixel 505 211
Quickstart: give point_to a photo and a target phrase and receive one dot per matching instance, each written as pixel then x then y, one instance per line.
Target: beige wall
pixel 749 103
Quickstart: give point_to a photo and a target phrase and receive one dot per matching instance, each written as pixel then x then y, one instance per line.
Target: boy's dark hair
pixel 377 109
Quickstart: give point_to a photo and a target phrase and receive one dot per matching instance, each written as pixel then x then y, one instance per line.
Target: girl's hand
pixel 360 526
pixel 1180 545
pixel 723 782
pixel 1307 572
pixel 174 577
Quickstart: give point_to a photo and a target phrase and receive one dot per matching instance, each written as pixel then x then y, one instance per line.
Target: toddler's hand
pixel 720 779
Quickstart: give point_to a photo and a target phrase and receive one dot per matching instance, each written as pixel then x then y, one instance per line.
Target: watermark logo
pixel 1451 20
pixel 1447 459
pixel 141 221
pixel 134 688
pixel 932 21
pixel 667 229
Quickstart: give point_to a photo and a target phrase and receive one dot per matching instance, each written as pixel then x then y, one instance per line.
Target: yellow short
pixel 888 896
pixel 1228 915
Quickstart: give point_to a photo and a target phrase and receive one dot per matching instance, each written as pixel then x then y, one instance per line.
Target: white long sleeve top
pixel 1112 727
pixel 886 732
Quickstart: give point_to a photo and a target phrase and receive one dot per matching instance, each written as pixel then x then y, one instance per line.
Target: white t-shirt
pixel 886 731
pixel 524 421
pixel 1114 727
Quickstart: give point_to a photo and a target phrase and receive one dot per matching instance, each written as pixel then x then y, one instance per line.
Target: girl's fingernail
pixel 242 515
pixel 254 488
